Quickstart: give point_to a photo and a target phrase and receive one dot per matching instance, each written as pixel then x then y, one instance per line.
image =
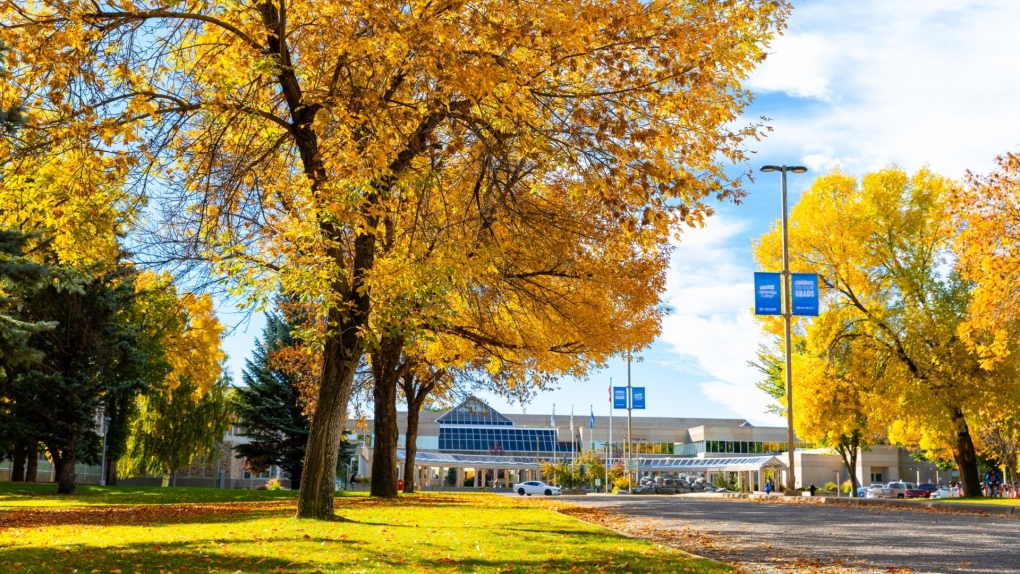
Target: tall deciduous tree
pixel 268 407
pixel 188 411
pixel 288 132
pixel 987 208
pixel 841 400
pixel 174 425
pixel 882 248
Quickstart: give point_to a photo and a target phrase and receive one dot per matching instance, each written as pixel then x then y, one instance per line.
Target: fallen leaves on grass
pixel 138 514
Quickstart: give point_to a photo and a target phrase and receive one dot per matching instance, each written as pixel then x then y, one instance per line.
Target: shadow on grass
pixel 185 557
pixel 106 495
pixel 139 558
pixel 139 515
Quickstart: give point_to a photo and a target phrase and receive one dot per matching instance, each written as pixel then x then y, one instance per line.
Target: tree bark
pixel 340 359
pixel 111 471
pixel 385 372
pixel 966 457
pixel 18 462
pixel 849 456
pixel 64 467
pixel 410 446
pixel 415 396
pixel 32 458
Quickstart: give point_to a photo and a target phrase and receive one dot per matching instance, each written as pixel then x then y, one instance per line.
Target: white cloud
pixel 711 292
pixel 911 82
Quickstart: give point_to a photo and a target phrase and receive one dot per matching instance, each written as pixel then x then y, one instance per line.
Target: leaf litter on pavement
pixel 756 555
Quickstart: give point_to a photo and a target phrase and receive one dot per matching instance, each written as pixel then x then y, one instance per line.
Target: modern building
pixel 474 440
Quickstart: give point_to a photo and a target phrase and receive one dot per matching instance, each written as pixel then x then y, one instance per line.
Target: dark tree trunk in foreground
pixel 318 482
pixel 32 458
pixel 966 457
pixel 386 373
pixel 63 466
pixel 111 471
pixel 18 462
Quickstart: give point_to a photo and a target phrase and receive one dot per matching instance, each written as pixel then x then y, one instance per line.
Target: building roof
pixel 473 411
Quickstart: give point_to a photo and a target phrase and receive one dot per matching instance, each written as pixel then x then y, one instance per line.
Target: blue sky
pixel 861 85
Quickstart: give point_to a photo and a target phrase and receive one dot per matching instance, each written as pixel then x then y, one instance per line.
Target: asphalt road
pixel 782 537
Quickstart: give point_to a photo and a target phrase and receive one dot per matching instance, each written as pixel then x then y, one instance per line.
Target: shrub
pixel 847 486
pixel 622 482
pixel 830 487
pixel 274 484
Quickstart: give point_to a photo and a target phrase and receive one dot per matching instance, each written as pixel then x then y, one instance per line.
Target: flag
pixel 592 425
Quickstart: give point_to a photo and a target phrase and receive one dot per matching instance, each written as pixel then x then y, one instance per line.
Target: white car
pixel 536 487
pixel 945 492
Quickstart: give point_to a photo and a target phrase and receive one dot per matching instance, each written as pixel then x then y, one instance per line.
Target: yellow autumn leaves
pixel 911 346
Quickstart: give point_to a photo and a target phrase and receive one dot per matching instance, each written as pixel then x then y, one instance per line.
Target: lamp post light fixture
pixel 791 481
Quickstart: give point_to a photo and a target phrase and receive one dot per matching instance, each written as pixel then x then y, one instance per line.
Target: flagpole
pixel 630 439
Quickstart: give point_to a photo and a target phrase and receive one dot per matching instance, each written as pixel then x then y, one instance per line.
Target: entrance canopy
pixel 470 460
pixel 734 464
pixel 666 464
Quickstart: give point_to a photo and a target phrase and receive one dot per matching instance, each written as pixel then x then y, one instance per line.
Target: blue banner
pixel 805 294
pixel 637 398
pixel 619 397
pixel 767 291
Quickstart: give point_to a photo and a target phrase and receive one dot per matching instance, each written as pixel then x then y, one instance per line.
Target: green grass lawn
pixel 982 500
pixel 124 530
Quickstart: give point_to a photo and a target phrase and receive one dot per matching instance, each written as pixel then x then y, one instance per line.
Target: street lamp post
pixel 102 464
pixel 791 482
pixel 630 439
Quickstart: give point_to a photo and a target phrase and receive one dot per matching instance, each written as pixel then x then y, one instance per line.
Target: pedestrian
pixel 813 488
pixel 768 486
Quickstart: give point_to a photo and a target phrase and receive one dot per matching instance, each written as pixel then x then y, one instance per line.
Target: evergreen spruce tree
pixel 267 407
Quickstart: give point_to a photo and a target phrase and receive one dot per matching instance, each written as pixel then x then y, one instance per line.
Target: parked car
pixel 874 491
pixel 893 490
pixel 943 492
pixel 862 491
pixel 923 490
pixel 536 487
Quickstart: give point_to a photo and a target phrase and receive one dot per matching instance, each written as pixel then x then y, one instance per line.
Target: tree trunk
pixel 340 358
pixel 64 468
pixel 386 372
pixel 32 458
pixel 849 456
pixel 18 462
pixel 410 448
pixel 966 457
pixel 166 480
pixel 111 471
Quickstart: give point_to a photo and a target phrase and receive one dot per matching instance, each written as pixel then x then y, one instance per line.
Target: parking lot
pixel 783 537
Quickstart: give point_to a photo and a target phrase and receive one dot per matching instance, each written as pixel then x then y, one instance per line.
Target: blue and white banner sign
pixel 637 398
pixel 805 294
pixel 767 299
pixel 619 397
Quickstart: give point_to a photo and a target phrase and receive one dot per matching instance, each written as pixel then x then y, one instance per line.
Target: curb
pixel 989 509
